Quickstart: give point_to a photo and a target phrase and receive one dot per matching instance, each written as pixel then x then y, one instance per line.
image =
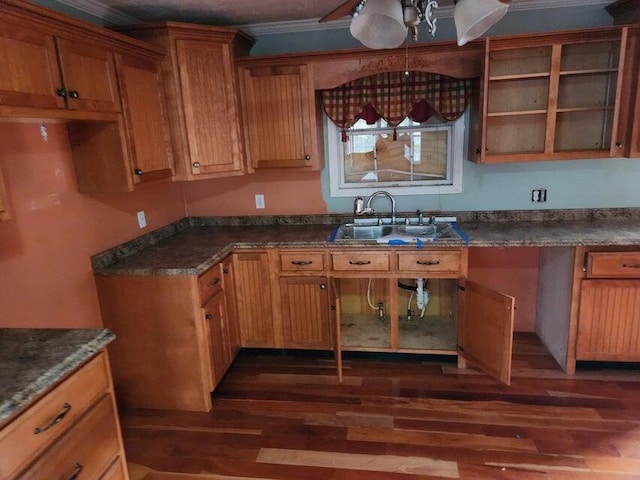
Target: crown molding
pixel 116 17
pixel 99 10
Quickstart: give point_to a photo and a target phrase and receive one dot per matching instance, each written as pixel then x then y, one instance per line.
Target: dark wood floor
pixel 285 417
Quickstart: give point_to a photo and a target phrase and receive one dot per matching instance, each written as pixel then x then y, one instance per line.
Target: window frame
pixel 335 159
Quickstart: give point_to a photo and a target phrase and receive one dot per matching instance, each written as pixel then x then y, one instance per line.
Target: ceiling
pixel 255 12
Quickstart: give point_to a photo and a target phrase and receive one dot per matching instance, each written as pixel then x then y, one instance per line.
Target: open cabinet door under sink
pixel 485 332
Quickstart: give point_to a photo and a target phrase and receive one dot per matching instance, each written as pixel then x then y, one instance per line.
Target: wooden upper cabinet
pixel 29 74
pixel 42 71
pixel 89 76
pixel 279 116
pixel 145 119
pixel 200 89
pixel 553 97
pixel 630 110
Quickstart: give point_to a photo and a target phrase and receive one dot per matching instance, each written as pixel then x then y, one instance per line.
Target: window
pixel 424 159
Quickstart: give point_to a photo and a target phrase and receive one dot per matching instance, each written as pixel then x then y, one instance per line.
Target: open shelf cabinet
pixel 553 97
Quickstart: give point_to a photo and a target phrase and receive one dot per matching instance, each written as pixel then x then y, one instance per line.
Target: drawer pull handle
pixel 359 262
pixel 213 282
pixel 301 262
pixel 626 265
pixel 428 262
pixel 57 419
pixel 78 468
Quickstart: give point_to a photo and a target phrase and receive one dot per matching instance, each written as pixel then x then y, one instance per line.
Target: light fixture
pixel 379 24
pixel 474 17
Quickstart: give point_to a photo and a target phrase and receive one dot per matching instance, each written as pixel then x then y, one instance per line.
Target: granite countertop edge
pixel 163 252
pixel 53 373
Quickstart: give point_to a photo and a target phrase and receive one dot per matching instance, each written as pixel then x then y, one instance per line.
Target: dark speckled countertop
pixel 33 360
pixel 192 245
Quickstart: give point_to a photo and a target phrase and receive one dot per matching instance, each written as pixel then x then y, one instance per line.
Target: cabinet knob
pixel 137 171
pixel 323 286
pixel 478 151
pixel 307 157
pixel 196 164
pixel 225 270
pixel 74 94
pixel 61 92
pixel 208 316
pixel 618 144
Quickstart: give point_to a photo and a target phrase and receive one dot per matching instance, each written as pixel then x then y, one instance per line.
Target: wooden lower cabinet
pixel 72 430
pixel 609 309
pixel 215 312
pixel 252 278
pixel 305 312
pixel 229 289
pixel 173 341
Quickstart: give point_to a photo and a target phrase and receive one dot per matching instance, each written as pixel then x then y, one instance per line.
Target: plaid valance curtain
pixel 394 96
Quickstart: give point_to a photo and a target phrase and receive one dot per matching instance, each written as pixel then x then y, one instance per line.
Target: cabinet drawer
pixel 115 471
pixel 613 265
pixel 209 283
pixel 301 261
pixel 88 447
pixel 52 415
pixel 444 262
pixel 356 262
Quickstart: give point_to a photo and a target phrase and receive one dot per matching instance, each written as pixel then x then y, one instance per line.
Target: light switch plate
pixel 259 201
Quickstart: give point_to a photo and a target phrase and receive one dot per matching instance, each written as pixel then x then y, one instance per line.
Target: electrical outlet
pixel 142 220
pixel 539 195
pixel 259 201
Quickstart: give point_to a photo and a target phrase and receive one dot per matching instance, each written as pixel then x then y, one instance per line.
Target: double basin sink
pixel 395 233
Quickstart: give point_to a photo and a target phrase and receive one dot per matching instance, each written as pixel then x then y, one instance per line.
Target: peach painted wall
pixel 285 193
pixel 512 271
pixel 45 248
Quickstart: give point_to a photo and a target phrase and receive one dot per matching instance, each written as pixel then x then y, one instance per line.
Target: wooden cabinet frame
pixel 615 130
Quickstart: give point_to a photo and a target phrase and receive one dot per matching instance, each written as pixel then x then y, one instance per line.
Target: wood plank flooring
pixel 286 417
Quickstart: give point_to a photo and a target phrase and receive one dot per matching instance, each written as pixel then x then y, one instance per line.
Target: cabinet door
pixel 209 101
pixel 609 320
pixel 29 75
pixel 89 77
pixel 485 330
pixel 216 316
pixel 145 118
pixel 279 107
pixel 305 312
pixel 253 294
pixel 229 289
pixel 335 309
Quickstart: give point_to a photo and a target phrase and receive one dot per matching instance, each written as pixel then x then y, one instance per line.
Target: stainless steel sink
pixel 355 231
pixel 427 232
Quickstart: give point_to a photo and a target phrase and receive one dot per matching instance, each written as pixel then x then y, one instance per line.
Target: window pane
pixel 416 156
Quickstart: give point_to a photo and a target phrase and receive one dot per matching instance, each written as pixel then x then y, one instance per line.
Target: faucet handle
pixel 358 206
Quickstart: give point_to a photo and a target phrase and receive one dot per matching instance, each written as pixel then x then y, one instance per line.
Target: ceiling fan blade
pixel 341 11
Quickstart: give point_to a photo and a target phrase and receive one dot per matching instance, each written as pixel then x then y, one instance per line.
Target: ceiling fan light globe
pixel 475 17
pixel 380 24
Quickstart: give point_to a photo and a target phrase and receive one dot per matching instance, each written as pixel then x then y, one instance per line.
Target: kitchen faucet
pixel 359 207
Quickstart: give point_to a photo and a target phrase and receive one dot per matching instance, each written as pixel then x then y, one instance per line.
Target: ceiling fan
pixel 381 24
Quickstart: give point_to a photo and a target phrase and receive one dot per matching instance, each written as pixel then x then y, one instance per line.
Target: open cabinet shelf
pixel 556 99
